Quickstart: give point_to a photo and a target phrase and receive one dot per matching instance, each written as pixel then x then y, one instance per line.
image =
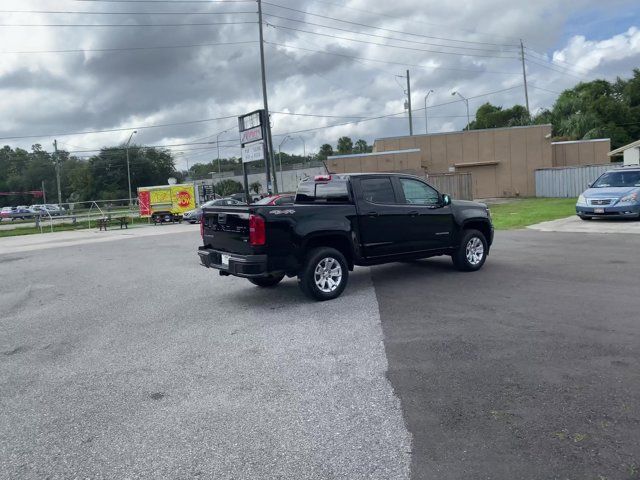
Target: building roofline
pixel 619 150
pixel 464 131
pixel 372 154
pixel 582 141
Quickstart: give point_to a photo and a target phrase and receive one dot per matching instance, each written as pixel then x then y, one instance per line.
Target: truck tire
pixel 472 252
pixel 324 274
pixel 265 282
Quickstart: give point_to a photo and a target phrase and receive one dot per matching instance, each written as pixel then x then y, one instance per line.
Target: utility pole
pixel 524 76
pixel 269 162
pixel 55 148
pixel 44 194
pixel 409 103
pixel 128 168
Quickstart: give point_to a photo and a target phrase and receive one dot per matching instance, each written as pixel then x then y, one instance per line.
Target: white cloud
pixel 588 55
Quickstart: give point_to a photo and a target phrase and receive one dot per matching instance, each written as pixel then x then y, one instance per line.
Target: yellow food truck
pixel 166 203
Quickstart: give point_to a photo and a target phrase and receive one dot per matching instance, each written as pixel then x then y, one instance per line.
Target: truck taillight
pixel 256 230
pixel 202 227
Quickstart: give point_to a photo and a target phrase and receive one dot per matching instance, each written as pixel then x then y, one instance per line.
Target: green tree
pixel 255 187
pixel 597 109
pixel 325 151
pixel 227 187
pixel 491 116
pixel 361 146
pixel 345 145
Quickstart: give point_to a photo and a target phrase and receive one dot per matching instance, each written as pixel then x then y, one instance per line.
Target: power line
pixel 124 24
pixel 545 89
pixel 395 17
pixel 121 49
pixel 545 58
pixel 404 64
pixel 165 1
pixel 394 114
pixel 72 12
pixel 86 132
pixel 388 45
pixel 548 67
pixel 460 47
pixel 383 29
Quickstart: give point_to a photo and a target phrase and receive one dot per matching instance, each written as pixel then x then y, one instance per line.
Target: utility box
pixel 166 203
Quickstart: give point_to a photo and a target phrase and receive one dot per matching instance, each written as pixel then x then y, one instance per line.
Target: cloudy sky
pixel 181 71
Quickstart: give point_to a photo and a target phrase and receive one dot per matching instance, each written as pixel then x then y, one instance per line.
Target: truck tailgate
pixel 227 229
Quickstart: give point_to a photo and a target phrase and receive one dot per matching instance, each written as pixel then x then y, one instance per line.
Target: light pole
pixel 287 137
pixel 128 168
pixel 218 145
pixel 426 125
pixel 466 100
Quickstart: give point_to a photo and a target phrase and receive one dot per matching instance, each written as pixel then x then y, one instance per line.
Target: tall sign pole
pixel 269 161
pixel 524 75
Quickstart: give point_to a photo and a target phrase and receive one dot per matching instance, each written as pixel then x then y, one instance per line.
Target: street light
pixel 287 137
pixel 218 145
pixel 128 168
pixel 426 127
pixel 466 100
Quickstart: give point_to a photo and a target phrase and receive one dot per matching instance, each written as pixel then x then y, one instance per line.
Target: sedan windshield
pixel 618 179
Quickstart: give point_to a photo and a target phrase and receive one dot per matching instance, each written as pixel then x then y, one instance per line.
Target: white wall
pixel 632 156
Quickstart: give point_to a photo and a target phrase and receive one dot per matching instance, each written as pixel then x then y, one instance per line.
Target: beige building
pixel 502 161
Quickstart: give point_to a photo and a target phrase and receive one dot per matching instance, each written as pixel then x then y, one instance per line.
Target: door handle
pixel 413 213
pixel 372 214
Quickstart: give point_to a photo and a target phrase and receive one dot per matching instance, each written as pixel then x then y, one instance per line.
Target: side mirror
pixel 590 184
pixel 446 200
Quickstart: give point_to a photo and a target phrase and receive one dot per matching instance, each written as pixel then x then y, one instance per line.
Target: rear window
pixel 334 191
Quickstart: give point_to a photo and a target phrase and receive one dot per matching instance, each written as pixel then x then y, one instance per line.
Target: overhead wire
pixel 120 49
pixel 418 22
pixel 389 45
pixel 388 62
pixel 124 24
pixel 378 28
pixel 459 47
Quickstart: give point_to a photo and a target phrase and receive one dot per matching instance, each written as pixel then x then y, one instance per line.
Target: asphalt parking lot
pixel 125 359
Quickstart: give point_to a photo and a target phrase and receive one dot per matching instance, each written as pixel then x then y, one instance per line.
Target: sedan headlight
pixel 582 201
pixel 631 198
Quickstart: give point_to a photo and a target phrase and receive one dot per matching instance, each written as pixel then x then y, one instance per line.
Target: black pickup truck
pixel 339 221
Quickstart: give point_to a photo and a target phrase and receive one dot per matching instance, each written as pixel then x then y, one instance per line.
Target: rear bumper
pixel 247 266
pixel 617 211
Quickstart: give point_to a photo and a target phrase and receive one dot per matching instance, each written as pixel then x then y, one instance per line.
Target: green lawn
pixel 81 225
pixel 519 213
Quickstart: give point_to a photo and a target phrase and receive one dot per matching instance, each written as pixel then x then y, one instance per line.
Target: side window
pixel 284 200
pixel 419 193
pixel 377 190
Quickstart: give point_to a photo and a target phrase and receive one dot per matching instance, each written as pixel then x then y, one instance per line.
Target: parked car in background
pixel 194 216
pixel 616 193
pixel 16 213
pixel 277 199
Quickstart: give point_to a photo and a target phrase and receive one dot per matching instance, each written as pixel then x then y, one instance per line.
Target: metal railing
pixel 75 213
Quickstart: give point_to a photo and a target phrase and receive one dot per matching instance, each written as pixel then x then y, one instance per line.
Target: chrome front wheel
pixel 474 251
pixel 328 275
